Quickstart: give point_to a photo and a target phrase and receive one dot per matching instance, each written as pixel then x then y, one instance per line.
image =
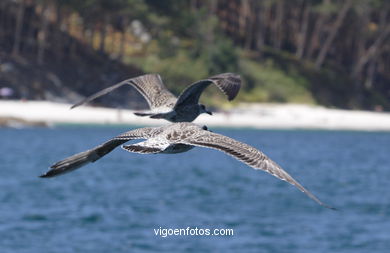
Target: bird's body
pixel 164 105
pixel 186 113
pixel 178 138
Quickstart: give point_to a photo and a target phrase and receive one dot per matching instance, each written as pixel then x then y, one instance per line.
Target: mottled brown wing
pixel 154 91
pixel 78 160
pixel 248 155
pixel 228 83
pixel 150 86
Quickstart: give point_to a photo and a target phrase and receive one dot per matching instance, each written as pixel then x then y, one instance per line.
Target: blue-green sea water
pixel 115 204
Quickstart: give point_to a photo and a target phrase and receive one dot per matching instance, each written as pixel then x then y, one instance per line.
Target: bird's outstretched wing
pixel 150 86
pixel 248 155
pixel 228 83
pixel 78 160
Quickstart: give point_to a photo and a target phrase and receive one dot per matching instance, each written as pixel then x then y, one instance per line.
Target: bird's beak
pixel 208 112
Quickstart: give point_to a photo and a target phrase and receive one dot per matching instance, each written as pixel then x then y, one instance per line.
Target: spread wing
pixel 150 86
pixel 228 83
pixel 78 160
pixel 248 155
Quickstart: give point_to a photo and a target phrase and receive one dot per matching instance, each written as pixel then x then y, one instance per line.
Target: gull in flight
pixel 164 105
pixel 178 138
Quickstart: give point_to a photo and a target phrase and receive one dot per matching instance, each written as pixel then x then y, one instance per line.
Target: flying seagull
pixel 164 105
pixel 178 138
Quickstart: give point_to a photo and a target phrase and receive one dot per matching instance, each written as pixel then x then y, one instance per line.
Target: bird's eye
pixel 204 128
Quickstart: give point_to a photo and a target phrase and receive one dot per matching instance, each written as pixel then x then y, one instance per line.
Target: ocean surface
pixel 117 203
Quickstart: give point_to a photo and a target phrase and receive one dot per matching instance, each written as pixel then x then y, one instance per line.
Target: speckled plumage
pixel 177 138
pixel 163 104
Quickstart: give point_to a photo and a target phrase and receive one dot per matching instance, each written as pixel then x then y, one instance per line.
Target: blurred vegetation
pixel 334 53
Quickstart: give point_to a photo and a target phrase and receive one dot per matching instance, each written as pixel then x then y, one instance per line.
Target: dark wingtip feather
pixel 45 175
pixel 230 84
pixel 236 88
pixel 330 207
pixel 74 106
pixel 50 173
pixel 79 103
pixel 72 163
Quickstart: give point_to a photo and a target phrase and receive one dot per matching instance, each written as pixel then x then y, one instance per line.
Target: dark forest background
pixel 328 52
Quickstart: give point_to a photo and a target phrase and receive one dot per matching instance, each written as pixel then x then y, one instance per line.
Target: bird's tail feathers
pixel 143 114
pixel 152 115
pixel 158 116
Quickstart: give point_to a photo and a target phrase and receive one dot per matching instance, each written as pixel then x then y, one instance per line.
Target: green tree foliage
pixel 307 51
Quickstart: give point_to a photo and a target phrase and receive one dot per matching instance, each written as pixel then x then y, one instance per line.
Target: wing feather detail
pixel 228 83
pixel 89 156
pixel 154 91
pixel 150 86
pixel 248 155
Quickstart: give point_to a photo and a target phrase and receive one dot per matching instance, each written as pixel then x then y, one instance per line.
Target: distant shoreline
pixel 258 116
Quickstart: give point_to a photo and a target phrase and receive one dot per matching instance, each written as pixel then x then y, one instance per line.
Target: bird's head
pixel 202 109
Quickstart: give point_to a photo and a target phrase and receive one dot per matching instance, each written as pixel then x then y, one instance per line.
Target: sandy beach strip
pixel 260 116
